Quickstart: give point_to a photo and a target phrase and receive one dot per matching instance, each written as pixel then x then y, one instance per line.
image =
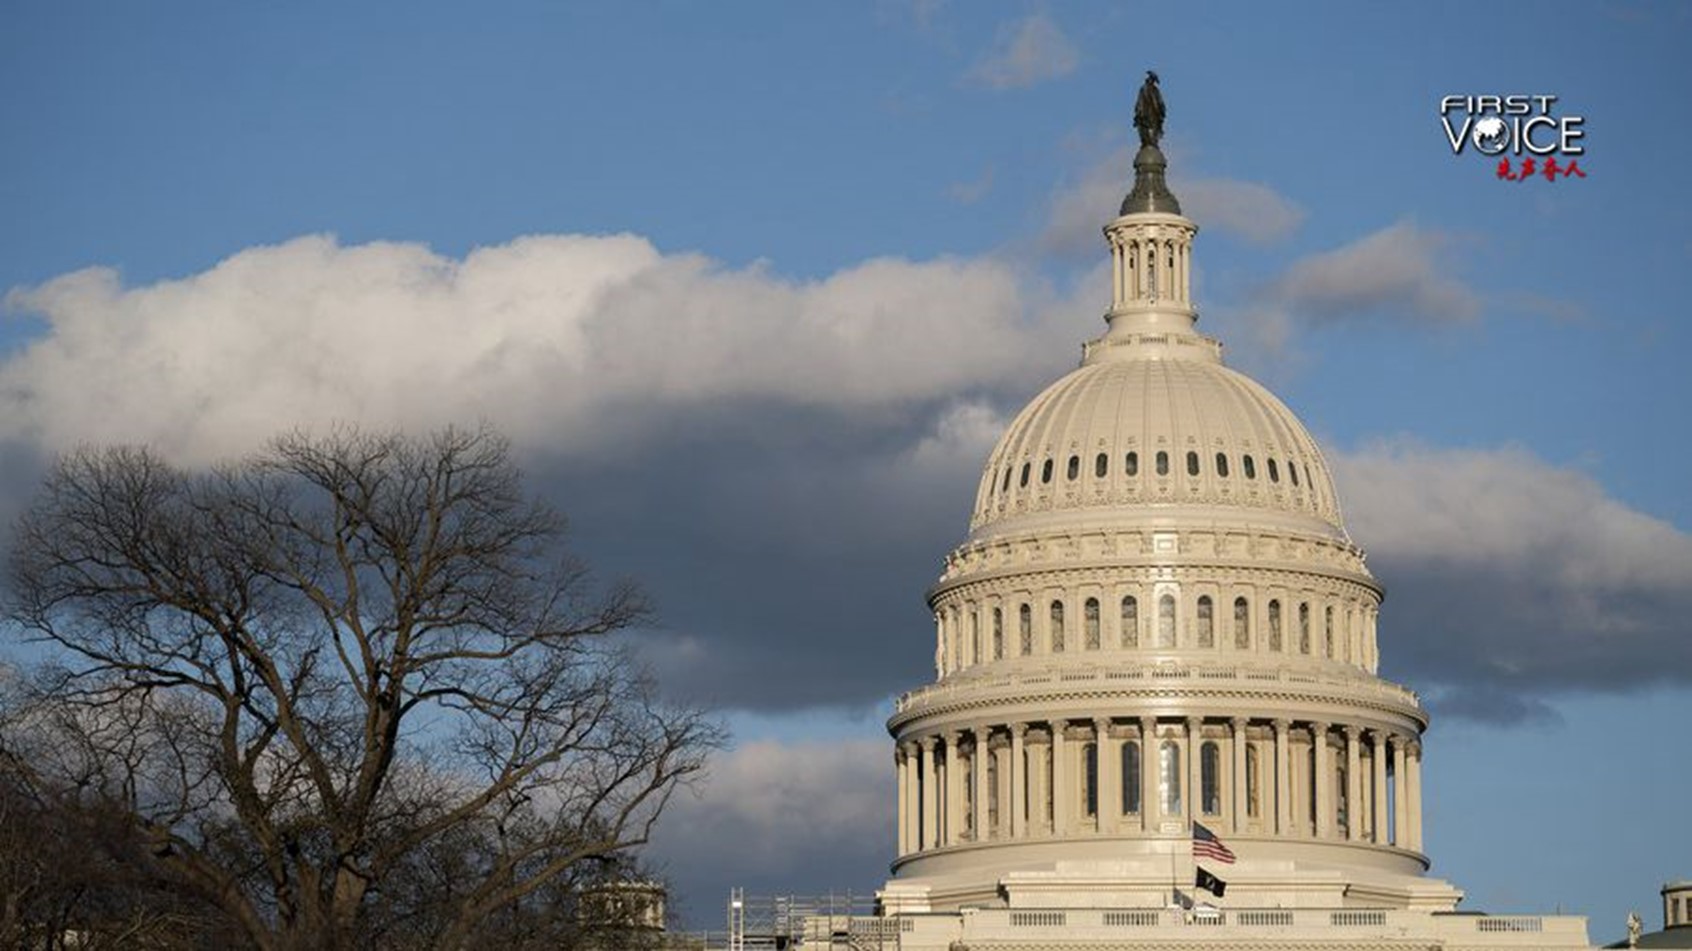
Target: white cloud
pixel 1026 53
pixel 968 193
pixel 1400 270
pixel 1510 577
pixel 787 817
pixel 564 341
pixel 1078 211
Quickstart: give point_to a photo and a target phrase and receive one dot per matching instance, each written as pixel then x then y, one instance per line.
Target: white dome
pixel 1093 440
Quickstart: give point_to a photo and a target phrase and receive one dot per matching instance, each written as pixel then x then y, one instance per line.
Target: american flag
pixel 1207 845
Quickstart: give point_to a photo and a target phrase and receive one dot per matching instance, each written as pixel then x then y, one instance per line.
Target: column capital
pixel 1018 729
pixel 927 742
pixel 981 732
pixel 1239 723
pixel 953 737
pixel 1353 732
pixel 1101 725
pixel 1319 726
pixel 1414 748
pixel 1282 724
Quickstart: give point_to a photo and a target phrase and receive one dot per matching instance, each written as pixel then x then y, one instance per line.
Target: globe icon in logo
pixel 1490 135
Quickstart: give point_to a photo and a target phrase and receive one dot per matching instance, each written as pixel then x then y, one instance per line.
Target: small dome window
pixel 1242 624
pixel 1309 481
pixel 1192 464
pixel 1025 630
pixel 1222 465
pixel 1166 621
pixel 1006 486
pixel 1130 622
pixel 1304 627
pixel 1046 472
pixel 1131 465
pixel 1162 463
pixel 998 634
pixel 1249 467
pixel 1101 465
pixel 1091 618
pixel 1057 627
pixel 1025 470
pixel 1274 472
pixel 1292 471
pixel 1206 622
pixel 1275 626
pixel 1074 468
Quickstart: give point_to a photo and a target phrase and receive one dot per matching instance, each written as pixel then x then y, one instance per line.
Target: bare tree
pixel 348 661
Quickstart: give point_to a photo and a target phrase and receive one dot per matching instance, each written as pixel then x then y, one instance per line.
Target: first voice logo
pixel 1527 138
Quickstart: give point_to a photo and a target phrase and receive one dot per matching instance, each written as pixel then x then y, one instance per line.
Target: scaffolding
pixel 784 922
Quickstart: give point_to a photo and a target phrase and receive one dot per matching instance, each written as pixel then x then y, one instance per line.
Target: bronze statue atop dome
pixel 1149 111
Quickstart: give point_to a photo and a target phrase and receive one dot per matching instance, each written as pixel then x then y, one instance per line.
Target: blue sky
pixel 855 237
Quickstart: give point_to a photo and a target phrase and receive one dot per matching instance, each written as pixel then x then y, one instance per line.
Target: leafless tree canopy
pixel 348 692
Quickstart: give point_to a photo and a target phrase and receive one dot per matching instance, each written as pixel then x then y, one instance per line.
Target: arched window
pixel 1130 777
pixel 1274 473
pixel 1046 472
pixel 1025 469
pixel 1169 777
pixel 1292 472
pixel 1074 469
pixel 1101 465
pixel 1210 778
pixel 1304 627
pixel 1057 627
pixel 998 633
pixel 1162 463
pixel 1328 632
pixel 1242 624
pixel 974 636
pixel 1006 486
pixel 1206 622
pixel 1130 622
pixel 1025 622
pixel 1250 467
pixel 1192 464
pixel 1090 778
pixel 1222 464
pixel 1275 626
pixel 1091 618
pixel 1166 621
pixel 1131 465
pixel 1254 780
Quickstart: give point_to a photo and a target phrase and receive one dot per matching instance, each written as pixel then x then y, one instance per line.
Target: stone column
pixel 1148 773
pixel 930 780
pixel 1324 773
pixel 1018 802
pixel 1195 736
pixel 1237 805
pixel 1110 775
pixel 901 777
pixel 978 760
pixel 1378 758
pixel 952 820
pixel 1060 781
pixel 1353 784
pixel 1283 779
pixel 1400 782
pixel 1415 784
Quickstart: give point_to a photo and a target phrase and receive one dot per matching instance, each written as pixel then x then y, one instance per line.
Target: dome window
pixel 1046 473
pixel 1242 624
pixel 1249 467
pixel 1274 472
pixel 1292 472
pixel 1006 486
pixel 1275 626
pixel 998 634
pixel 1090 619
pixel 1210 778
pixel 1074 468
pixel 1057 627
pixel 1254 779
pixel 1025 630
pixel 1025 469
pixel 1101 465
pixel 1328 632
pixel 1131 465
pixel 1130 622
pixel 1162 463
pixel 1206 622
pixel 1169 777
pixel 1090 778
pixel 1192 464
pixel 1222 464
pixel 1166 621
pixel 1130 778
pixel 1304 627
